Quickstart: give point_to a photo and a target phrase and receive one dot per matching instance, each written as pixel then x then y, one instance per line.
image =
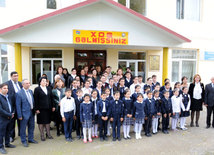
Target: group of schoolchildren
pixel 127 103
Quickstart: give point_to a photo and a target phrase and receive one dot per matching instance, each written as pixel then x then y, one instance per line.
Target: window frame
pixel 41 61
pixel 128 4
pixel 133 61
pixel 181 14
pixel 180 61
pixel 4 56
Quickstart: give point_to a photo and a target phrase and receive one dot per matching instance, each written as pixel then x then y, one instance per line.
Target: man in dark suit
pixel 6 114
pixel 13 87
pixel 25 112
pixel 209 102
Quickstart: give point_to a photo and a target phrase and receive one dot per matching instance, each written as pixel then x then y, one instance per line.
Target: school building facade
pixel 106 33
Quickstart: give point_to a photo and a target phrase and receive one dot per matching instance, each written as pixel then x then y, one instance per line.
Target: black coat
pixel 191 89
pixel 43 101
pixel 209 95
pixel 11 91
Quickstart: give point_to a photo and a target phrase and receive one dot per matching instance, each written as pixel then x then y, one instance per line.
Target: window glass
pixel 188 69
pixel 188 9
pixel 138 6
pixel 51 4
pixel 2 3
pixel 132 55
pixel 141 69
pixel 123 2
pixel 185 54
pixel 36 71
pixel 4 69
pixel 3 49
pixel 57 63
pixel 175 71
pixel 46 54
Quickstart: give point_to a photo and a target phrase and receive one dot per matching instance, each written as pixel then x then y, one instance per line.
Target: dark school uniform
pixel 166 108
pixel 116 114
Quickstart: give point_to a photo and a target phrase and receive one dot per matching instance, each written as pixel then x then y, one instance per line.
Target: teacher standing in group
pixel 44 105
pixel 209 102
pixel 196 92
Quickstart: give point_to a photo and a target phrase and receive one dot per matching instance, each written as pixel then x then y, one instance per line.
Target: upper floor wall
pixel 191 18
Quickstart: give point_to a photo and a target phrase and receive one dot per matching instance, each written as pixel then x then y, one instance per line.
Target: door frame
pixel 128 61
pixel 89 57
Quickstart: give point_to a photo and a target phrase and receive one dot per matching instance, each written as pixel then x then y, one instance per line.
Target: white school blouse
pixel 95 105
pixel 176 104
pixel 67 105
pixel 86 91
pixel 197 91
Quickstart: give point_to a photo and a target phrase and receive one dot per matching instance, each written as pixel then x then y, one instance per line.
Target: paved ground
pixel 193 141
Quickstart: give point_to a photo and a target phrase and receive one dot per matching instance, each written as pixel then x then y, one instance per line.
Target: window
pixel 51 4
pixel 136 5
pixel 4 63
pixel 2 3
pixel 135 60
pixel 188 9
pixel 45 62
pixel 183 64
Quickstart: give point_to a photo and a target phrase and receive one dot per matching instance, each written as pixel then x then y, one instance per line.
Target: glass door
pixel 138 67
pixel 46 65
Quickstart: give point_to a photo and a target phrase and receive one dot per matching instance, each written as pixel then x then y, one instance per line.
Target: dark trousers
pixel 78 126
pixel 210 110
pixel 159 123
pixel 116 123
pixel 68 124
pixel 103 126
pixel 5 133
pixel 13 126
pixel 165 122
pixel 148 125
pixel 59 121
pixel 30 123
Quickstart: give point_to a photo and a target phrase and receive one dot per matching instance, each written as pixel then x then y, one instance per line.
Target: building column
pixel 18 59
pixel 165 64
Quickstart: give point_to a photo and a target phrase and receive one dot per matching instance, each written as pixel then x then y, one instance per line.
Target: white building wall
pixel 164 12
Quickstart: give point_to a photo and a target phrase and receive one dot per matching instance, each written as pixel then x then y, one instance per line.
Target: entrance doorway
pixel 90 58
pixel 137 67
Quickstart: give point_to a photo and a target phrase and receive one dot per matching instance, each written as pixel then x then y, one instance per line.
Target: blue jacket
pixel 128 84
pixel 5 113
pixel 100 108
pixel 121 89
pixel 162 92
pixel 158 103
pixel 78 103
pixel 23 107
pixel 139 110
pixel 166 106
pixel 74 91
pixel 116 108
pixel 86 111
pixel 151 87
pixel 109 98
pixel 128 106
pixel 150 108
pixel 134 97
